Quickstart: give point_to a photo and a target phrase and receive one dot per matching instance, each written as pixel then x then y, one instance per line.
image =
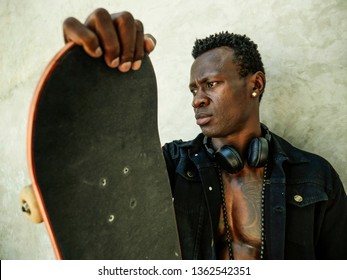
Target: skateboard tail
pixel 30 131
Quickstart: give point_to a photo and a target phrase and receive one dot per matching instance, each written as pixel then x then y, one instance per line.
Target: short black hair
pixel 246 54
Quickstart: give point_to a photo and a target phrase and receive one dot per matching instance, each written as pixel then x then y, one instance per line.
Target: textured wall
pixel 303 44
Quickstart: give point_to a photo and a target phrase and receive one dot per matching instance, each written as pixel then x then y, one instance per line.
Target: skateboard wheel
pixel 29 205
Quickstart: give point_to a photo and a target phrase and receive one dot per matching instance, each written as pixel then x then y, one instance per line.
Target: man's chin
pixel 208 132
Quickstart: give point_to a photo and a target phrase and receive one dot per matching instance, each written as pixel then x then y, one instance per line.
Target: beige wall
pixel 303 44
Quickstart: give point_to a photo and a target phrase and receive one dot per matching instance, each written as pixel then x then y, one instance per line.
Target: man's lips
pixel 202 118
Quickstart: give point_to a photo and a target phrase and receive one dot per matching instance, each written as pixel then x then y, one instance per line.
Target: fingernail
pixel 98 51
pixel 152 41
pixel 115 62
pixel 149 44
pixel 136 65
pixel 125 67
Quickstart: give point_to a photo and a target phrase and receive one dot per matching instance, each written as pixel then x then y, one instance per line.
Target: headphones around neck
pixel 230 160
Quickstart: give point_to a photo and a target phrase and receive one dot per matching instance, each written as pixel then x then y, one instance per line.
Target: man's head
pixel 227 81
pixel 246 54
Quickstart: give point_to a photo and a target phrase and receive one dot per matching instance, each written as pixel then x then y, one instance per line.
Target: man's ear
pixel 259 81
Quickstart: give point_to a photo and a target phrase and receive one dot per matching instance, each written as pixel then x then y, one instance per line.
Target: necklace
pixel 225 215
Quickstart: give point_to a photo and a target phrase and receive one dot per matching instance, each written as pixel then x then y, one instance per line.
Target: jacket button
pixel 190 174
pixel 298 198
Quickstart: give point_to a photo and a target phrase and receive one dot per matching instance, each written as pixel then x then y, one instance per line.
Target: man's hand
pixel 118 37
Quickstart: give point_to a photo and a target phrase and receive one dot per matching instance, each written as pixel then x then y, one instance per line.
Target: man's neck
pixel 238 140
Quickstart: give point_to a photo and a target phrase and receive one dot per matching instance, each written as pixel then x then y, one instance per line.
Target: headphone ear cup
pixel 258 151
pixel 229 159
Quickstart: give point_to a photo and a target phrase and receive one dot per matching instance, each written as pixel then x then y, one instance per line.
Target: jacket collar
pixel 280 148
pixel 284 151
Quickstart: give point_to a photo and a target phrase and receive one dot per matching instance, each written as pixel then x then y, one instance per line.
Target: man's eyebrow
pixel 201 81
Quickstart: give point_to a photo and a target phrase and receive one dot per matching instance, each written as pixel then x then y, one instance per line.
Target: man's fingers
pixel 101 23
pixel 149 43
pixel 139 46
pixel 76 32
pixel 124 24
pixel 119 37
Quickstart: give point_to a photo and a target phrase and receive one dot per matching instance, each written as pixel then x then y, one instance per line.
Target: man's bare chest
pixel 242 208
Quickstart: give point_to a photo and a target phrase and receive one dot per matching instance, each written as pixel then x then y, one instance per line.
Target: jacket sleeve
pixel 171 155
pixel 332 242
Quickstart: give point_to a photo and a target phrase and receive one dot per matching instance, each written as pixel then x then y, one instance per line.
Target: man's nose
pixel 200 99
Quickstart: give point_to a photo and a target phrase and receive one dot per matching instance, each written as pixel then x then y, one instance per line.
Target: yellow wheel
pixel 29 205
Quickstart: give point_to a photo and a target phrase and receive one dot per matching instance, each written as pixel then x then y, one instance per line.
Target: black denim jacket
pixel 311 227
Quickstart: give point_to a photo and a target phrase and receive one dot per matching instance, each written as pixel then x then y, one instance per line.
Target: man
pixel 239 190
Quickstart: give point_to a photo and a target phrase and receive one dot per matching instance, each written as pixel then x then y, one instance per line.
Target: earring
pixel 254 94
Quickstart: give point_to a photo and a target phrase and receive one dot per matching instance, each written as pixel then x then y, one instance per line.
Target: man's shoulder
pixel 302 165
pixel 293 153
pixel 176 148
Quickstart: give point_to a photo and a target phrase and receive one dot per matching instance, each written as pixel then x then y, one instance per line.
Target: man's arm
pixel 332 242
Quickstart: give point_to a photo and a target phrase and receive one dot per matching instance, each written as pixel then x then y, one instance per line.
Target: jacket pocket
pixel 302 220
pixel 302 195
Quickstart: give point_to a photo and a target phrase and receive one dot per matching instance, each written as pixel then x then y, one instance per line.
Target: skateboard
pixel 95 160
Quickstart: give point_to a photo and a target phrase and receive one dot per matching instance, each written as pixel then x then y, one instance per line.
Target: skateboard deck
pixel 96 163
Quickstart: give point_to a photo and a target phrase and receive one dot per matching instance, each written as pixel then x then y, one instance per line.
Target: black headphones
pixel 230 160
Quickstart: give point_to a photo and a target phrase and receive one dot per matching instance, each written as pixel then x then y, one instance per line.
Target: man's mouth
pixel 202 118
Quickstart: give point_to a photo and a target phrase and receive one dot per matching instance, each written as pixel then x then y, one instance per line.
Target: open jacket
pixel 311 227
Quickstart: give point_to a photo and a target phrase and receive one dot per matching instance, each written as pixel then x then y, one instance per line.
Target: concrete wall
pixel 303 44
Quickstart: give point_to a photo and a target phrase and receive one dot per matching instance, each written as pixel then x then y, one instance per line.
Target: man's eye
pixel 211 84
pixel 193 90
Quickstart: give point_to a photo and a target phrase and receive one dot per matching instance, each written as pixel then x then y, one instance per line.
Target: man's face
pixel 221 99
